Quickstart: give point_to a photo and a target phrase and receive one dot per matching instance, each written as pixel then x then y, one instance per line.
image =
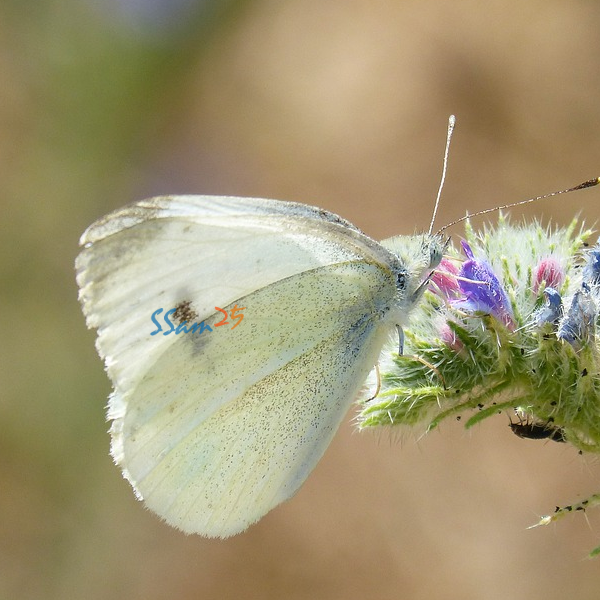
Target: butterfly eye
pixel 401 280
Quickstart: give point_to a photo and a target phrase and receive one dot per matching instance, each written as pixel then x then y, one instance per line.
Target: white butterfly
pixel 215 429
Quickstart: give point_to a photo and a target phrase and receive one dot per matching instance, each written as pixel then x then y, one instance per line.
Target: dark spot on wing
pixel 184 312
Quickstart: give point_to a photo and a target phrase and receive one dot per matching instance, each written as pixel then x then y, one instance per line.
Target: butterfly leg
pixel 400 339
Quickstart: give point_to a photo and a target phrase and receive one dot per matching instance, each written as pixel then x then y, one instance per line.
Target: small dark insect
pixel 537 431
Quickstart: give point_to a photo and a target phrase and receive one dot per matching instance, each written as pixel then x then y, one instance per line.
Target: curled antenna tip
pixel 582 186
pixel 587 184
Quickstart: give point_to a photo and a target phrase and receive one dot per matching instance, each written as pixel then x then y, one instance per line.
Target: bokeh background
pixel 338 103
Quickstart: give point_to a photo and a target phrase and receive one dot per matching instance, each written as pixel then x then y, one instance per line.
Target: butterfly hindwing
pixel 224 428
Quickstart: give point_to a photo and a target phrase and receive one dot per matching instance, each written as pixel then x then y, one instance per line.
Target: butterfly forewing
pixel 164 251
pixel 214 429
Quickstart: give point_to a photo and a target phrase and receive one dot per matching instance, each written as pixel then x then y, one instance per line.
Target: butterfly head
pixel 418 256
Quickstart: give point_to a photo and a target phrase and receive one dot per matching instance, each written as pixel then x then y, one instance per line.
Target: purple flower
pixel 578 325
pixel 482 290
pixel 552 311
pixel 591 271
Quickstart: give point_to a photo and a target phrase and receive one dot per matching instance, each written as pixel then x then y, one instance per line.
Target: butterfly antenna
pixel 451 123
pixel 586 184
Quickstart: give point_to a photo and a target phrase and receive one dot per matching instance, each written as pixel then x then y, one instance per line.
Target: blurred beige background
pixel 339 103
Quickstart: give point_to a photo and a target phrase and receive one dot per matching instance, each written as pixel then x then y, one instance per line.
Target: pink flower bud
pixel 450 338
pixel 444 280
pixel 550 272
